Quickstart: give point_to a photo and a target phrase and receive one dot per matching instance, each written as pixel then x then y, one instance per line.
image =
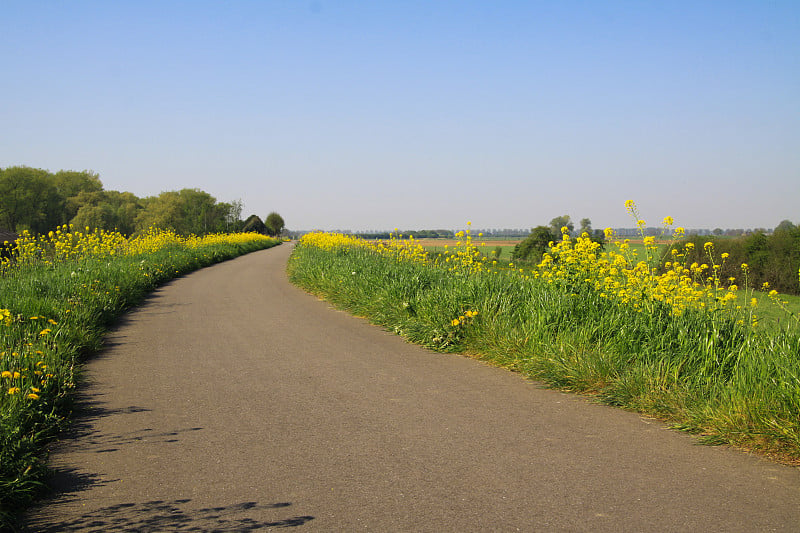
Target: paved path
pixel 233 401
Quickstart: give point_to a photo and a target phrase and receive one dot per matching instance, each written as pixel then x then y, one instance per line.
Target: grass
pixel 703 371
pixel 58 299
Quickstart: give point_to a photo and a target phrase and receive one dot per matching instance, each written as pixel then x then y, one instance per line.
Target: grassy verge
pixel 56 301
pixel 703 369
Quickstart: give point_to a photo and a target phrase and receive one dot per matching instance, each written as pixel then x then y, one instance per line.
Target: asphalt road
pixel 233 401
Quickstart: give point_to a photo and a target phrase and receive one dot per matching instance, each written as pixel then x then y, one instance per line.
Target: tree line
pixel 772 258
pixel 39 201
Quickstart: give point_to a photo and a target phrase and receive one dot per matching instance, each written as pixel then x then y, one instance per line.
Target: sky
pixel 372 115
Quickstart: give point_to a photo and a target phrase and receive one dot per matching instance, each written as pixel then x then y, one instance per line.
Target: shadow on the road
pixel 174 515
pixel 82 431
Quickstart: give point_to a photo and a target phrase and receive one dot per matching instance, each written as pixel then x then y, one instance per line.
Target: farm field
pixel 656 343
pixel 59 294
pixel 486 247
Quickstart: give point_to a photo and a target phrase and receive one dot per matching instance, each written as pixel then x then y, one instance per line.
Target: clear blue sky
pixel 417 114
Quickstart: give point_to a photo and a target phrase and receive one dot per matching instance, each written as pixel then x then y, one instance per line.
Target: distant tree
pixel 29 200
pixel 274 223
pixel 559 222
pixel 785 225
pixel 586 227
pixel 233 220
pixel 534 245
pixel 254 224
pixel 94 216
pixel 71 183
pixel 718 231
pixel 162 211
pixel 201 214
pixel 188 211
pixel 108 210
pixel 126 207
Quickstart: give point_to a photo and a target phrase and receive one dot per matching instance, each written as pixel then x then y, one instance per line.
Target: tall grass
pixel 58 294
pixel 703 368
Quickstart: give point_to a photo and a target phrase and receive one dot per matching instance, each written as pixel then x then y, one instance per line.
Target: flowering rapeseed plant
pixel 621 274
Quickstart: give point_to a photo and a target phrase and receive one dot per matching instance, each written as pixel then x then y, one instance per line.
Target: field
pixel 680 345
pixel 59 294
pixel 486 247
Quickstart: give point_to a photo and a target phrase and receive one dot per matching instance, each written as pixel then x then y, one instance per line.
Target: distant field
pixel 486 246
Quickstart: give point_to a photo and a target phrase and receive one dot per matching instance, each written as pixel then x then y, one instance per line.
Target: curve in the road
pixel 233 401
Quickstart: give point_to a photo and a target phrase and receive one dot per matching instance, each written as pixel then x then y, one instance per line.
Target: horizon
pixel 345 115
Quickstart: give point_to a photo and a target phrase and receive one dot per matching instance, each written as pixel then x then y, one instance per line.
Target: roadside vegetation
pixel 59 292
pixel 675 338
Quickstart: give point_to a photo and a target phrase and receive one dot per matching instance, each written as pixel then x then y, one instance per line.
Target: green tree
pixel 586 227
pixel 233 220
pixel 71 183
pixel 534 245
pixel 559 222
pixel 274 223
pixel 108 210
pixel 29 200
pixel 94 216
pixel 162 211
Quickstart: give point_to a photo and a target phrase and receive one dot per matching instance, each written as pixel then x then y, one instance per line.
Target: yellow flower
pixel 33 396
pixel 13 390
pixel 668 221
pixel 455 322
pixel 6 374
